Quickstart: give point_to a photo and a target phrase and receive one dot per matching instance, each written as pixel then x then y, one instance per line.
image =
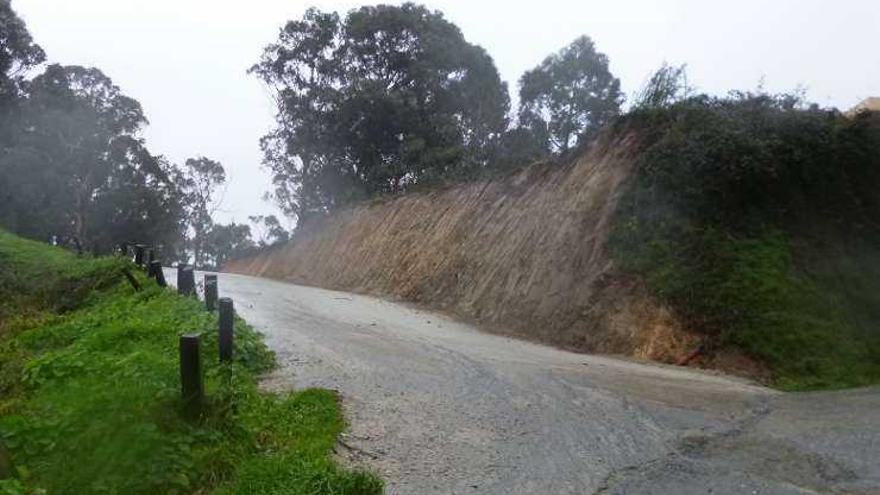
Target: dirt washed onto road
pixel 436 406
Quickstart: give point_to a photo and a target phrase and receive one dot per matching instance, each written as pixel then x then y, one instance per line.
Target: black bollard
pixel 210 292
pixel 191 388
pixel 190 274
pixel 180 282
pixel 225 335
pixel 188 285
pixel 156 272
pixel 139 251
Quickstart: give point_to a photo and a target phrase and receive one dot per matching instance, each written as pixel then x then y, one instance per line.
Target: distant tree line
pixel 391 96
pixel 373 102
pixel 75 168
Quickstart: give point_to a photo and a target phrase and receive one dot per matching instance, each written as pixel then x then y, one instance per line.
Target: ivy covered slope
pixel 89 392
pixel 757 219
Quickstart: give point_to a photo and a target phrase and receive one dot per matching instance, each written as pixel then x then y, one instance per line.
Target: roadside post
pixel 225 329
pixel 210 292
pixel 156 272
pixel 139 254
pixel 180 281
pixel 186 282
pixel 191 387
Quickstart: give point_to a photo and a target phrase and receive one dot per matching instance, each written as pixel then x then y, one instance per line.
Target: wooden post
pixel 210 292
pixel 191 388
pixel 186 282
pixel 157 273
pixel 225 336
pixel 190 276
pixel 180 282
pixel 139 251
pixel 150 257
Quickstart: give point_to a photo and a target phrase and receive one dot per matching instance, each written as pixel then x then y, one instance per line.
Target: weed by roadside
pixel 90 392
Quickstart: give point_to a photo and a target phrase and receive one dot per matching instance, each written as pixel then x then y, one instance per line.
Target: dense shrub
pixel 754 217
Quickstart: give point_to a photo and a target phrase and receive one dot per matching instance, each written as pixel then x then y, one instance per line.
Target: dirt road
pixel 436 406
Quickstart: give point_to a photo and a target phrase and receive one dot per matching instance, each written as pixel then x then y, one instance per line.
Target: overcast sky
pixel 186 60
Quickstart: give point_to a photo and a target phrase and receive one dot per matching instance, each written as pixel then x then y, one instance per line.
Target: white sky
pixel 185 60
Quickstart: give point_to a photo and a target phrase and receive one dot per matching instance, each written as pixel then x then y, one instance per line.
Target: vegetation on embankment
pixel 89 392
pixel 756 219
pixel 743 226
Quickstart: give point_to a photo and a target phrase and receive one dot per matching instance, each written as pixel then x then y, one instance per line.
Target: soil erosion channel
pixel 435 406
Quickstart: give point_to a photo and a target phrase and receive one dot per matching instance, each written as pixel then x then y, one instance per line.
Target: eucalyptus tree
pixel 384 98
pixel 201 177
pixel 77 166
pixel 18 54
pixel 569 96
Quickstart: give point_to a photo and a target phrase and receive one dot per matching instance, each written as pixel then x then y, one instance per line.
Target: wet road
pixel 435 406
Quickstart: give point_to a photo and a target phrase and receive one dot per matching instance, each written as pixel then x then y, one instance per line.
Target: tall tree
pixel 77 166
pixel 271 230
pixel 569 96
pixel 225 242
pixel 18 53
pixel 389 96
pixel 201 178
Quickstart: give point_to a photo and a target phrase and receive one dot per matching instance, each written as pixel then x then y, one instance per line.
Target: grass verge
pixel 89 392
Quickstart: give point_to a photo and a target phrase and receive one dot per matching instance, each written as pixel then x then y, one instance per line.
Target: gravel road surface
pixel 436 406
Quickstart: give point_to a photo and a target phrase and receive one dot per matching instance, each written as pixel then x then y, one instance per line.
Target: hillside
pixel 741 227
pixel 484 251
pixel 90 392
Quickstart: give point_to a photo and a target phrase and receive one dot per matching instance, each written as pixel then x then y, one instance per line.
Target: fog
pixel 186 61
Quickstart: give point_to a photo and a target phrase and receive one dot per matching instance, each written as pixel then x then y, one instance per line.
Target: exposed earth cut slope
pixel 524 253
pixel 739 231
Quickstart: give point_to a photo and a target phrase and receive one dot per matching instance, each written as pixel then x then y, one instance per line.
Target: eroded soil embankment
pixel 522 254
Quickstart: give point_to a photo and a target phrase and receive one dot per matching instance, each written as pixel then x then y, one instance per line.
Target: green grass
pixel 90 392
pixel 748 293
pixel 754 219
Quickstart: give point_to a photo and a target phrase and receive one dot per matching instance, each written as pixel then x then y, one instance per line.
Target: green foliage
pixel 18 53
pixel 37 280
pixel 271 230
pixel 199 181
pixel 666 86
pixel 387 96
pixel 93 403
pixel 569 96
pixel 755 219
pixel 74 165
pixel 225 242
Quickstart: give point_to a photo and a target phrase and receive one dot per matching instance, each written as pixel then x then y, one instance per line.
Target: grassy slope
pixel 756 222
pixel 89 392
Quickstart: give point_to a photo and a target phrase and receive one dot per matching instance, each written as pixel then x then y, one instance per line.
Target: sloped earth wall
pixel 522 255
